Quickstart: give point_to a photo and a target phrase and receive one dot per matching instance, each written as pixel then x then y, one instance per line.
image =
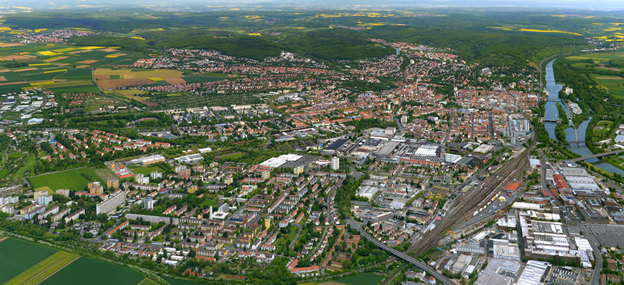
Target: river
pixel 552 114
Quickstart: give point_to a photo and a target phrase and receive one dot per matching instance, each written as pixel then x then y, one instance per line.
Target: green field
pixel 94 272
pixel 60 67
pixel 28 166
pixel 147 281
pixel 43 269
pixel 602 129
pixel 613 84
pixel 598 57
pixel 208 202
pixel 361 279
pixel 17 256
pixel 70 179
pixel 145 169
pixel 230 156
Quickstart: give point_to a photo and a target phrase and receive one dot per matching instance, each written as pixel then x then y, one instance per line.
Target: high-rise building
pixel 64 192
pixel 266 174
pixel 299 169
pixel 335 163
pixel 111 203
pixel 112 183
pixel 95 188
pixel 148 203
pixel 40 194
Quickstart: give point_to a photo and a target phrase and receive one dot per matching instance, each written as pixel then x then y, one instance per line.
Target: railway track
pixel 472 200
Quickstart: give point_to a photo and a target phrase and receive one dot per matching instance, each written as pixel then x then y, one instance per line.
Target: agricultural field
pixel 360 279
pixel 59 67
pixel 75 179
pixel 44 269
pixel 109 79
pixel 147 281
pixel 17 256
pixel 601 60
pixel 613 84
pixel 132 94
pixel 602 68
pixel 94 272
pixel 23 262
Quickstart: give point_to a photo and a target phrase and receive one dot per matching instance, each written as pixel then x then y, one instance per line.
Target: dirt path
pixel 3 239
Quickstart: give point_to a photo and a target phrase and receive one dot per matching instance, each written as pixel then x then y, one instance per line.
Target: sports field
pixel 75 179
pixel 94 272
pixel 17 256
pixel 145 169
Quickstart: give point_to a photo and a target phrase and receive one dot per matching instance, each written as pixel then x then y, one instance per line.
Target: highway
pixel 419 264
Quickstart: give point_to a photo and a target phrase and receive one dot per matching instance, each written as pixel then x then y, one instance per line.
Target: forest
pixel 473 35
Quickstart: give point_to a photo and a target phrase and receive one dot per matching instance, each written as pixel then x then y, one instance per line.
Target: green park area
pixel 359 279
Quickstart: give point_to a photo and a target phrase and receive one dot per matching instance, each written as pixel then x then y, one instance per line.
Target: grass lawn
pixel 17 256
pixel 16 154
pixel 361 279
pixel 208 203
pixel 4 172
pixel 615 160
pixel 602 129
pixel 30 163
pixel 94 272
pixel 145 169
pixel 70 179
pixel 230 156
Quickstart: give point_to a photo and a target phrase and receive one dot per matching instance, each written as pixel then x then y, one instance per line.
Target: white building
pixel 111 203
pixel 335 163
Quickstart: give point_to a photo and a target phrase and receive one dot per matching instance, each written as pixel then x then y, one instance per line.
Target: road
pixel 419 264
pixel 597 155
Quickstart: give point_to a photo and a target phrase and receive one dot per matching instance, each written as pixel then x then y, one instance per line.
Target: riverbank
pixel 553 113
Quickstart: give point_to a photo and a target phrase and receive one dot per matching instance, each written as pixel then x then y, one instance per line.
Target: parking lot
pixel 609 235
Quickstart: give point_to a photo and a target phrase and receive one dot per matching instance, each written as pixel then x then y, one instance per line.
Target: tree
pixel 346 264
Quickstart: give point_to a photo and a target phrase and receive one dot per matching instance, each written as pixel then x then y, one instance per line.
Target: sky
pixel 541 4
